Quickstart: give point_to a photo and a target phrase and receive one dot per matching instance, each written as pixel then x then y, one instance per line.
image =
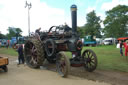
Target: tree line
pixel 12 32
pixel 115 23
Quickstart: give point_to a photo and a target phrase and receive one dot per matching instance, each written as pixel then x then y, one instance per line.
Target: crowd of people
pixel 6 43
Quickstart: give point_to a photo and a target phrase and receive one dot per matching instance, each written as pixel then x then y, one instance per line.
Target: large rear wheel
pixel 90 60
pixel 62 64
pixel 34 53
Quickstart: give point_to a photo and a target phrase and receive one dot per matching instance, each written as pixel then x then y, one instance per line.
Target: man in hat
pixel 20 55
pixel 38 30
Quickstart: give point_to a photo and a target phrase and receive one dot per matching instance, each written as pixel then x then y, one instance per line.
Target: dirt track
pixel 23 75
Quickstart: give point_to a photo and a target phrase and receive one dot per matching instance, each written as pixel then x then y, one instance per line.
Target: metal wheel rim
pixel 90 60
pixel 32 56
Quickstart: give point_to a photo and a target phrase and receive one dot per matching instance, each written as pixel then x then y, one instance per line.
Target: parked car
pixel 109 41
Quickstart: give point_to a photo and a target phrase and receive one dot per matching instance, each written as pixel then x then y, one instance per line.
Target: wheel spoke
pixel 92 58
pixel 63 68
pixel 91 55
pixel 31 60
pixel 35 50
pixel 62 64
pixel 90 64
pixel 88 54
pixel 93 62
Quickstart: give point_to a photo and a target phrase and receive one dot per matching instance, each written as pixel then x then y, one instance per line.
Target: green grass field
pixel 108 57
pixel 8 51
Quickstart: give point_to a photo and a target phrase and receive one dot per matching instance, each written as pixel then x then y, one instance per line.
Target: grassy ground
pixel 8 51
pixel 108 57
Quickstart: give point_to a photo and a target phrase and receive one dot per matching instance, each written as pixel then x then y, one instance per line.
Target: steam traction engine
pixel 51 45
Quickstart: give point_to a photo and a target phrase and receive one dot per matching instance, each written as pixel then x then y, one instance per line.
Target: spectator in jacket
pixel 20 55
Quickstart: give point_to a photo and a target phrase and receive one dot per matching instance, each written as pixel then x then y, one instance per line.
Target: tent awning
pixel 123 38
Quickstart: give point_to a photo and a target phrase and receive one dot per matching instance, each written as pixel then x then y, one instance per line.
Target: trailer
pixel 3 63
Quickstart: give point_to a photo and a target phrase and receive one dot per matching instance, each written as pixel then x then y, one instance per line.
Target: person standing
pixel 126 47
pixel 20 55
pixel 7 43
pixel 0 44
pixel 121 48
pixel 38 30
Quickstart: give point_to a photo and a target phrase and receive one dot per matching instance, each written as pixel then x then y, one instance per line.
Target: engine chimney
pixel 74 18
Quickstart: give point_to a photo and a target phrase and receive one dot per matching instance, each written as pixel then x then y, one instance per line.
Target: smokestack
pixel 74 18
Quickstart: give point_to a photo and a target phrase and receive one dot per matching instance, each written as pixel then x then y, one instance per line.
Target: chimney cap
pixel 73 6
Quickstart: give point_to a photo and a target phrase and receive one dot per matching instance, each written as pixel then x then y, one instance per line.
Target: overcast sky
pixel 46 13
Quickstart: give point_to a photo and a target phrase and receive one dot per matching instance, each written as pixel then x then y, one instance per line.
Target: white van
pixel 109 41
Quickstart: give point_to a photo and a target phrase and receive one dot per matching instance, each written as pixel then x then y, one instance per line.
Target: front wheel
pixel 62 64
pixel 90 60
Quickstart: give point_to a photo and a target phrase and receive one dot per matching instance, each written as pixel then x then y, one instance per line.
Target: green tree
pixel 116 22
pixel 2 36
pixel 81 31
pixel 13 32
pixel 93 27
